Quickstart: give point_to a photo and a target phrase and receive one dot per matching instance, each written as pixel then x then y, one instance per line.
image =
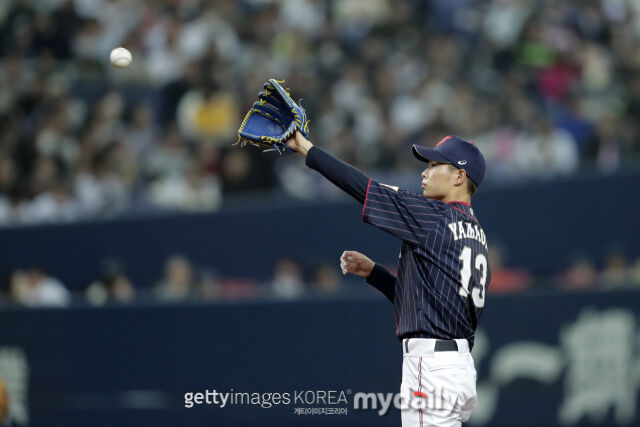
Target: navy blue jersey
pixel 443 270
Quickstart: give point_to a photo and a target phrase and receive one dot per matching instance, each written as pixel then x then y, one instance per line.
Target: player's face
pixel 438 179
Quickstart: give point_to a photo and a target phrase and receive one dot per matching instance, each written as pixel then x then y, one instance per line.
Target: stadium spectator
pixel 287 281
pixel 177 285
pixel 580 275
pixel 209 286
pixel 113 285
pixel 326 280
pixel 503 278
pixel 33 288
pixel 615 270
pixel 195 190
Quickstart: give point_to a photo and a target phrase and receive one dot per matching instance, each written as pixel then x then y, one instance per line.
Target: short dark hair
pixel 471 186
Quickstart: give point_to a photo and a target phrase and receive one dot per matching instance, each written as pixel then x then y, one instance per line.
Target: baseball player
pixel 443 271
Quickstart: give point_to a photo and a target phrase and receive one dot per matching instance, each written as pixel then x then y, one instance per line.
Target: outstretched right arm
pixel 376 275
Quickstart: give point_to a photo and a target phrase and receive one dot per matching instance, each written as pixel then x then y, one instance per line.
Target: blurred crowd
pixel 181 282
pixel 184 282
pixel 545 88
pixel 614 270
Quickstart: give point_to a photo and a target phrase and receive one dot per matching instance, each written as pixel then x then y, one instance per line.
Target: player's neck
pixel 457 197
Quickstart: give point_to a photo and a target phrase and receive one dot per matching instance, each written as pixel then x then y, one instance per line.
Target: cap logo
pixel 462 162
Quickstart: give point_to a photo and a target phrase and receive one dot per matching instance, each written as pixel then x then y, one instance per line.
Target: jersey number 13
pixel 480 263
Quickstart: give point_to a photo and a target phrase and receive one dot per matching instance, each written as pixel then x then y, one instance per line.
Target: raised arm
pixel 343 175
pixel 403 214
pixel 377 276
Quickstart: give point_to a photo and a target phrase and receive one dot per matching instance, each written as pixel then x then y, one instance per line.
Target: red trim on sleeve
pixel 364 205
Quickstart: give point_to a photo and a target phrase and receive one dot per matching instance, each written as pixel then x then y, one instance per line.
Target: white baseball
pixel 120 57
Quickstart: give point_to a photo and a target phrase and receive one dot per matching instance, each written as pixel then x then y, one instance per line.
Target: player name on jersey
pixel 467 230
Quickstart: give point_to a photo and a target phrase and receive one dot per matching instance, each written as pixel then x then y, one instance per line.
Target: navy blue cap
pixel 459 152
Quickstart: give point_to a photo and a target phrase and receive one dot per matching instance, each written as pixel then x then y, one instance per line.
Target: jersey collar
pixel 463 207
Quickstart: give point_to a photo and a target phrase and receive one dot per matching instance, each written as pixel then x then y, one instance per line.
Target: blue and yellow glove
pixel 273 119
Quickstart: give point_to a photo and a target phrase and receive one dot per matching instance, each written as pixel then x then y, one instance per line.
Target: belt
pixel 446 345
pixel 440 345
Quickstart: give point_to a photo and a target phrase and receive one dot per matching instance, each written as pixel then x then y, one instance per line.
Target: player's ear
pixel 461 178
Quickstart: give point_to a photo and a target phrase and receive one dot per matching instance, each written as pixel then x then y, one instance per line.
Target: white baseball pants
pixel 438 387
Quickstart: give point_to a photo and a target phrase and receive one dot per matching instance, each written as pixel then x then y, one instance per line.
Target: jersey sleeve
pixel 343 175
pixel 401 213
pixel 383 281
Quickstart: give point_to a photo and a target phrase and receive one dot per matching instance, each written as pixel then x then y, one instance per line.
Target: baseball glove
pixel 272 119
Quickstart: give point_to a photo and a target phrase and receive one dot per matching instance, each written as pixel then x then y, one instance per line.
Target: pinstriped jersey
pixel 443 270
